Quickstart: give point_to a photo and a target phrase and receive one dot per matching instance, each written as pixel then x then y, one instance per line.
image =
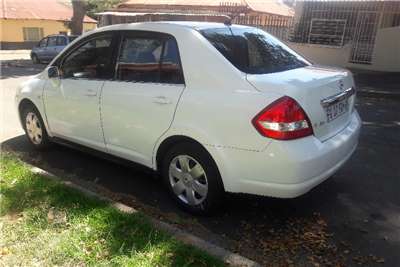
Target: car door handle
pixel 162 100
pixel 91 93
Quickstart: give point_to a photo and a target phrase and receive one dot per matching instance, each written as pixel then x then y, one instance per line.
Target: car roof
pixel 55 35
pixel 196 25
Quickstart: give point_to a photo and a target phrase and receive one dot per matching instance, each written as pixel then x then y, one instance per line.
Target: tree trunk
pixel 79 10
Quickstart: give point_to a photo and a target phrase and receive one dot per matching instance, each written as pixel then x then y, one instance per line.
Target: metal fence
pixel 279 26
pixel 338 23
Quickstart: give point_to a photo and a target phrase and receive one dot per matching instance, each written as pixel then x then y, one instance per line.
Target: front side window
pixel 92 60
pixel 52 41
pixel 43 42
pixel 151 60
pixel 253 51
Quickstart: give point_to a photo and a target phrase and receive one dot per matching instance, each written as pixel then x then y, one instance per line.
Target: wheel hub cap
pixel 188 180
pixel 33 128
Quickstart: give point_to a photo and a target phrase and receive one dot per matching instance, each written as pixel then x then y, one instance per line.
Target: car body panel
pixel 287 169
pixel 72 110
pixel 32 90
pixel 215 107
pixel 135 115
pixel 309 86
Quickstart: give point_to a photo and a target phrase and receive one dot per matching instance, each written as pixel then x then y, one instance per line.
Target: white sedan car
pixel 213 108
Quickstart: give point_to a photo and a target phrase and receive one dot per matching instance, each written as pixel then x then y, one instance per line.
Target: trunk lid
pixel 310 86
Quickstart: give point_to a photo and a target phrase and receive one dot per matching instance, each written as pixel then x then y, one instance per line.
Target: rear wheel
pixel 193 178
pixel 35 59
pixel 34 128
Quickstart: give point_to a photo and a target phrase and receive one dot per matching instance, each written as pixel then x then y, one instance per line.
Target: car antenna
pixel 228 21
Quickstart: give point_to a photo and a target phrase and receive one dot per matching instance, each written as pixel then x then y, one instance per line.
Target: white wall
pixel 387 49
pixel 386 55
pixel 323 54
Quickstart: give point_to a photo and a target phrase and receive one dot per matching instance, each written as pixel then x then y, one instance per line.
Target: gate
pixel 364 38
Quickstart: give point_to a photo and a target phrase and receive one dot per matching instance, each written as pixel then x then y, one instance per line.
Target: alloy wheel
pixel 188 180
pixel 33 128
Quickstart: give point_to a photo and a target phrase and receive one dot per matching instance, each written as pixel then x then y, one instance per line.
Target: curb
pixel 228 257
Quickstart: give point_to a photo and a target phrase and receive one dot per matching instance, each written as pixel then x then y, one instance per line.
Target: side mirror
pixel 53 72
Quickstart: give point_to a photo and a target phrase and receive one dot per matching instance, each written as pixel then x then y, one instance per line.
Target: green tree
pixel 87 7
pixel 79 11
pixel 95 6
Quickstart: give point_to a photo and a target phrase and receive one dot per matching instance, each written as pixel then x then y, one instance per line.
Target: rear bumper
pixel 288 169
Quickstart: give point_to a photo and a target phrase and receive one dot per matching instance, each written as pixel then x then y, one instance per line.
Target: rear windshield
pixel 252 50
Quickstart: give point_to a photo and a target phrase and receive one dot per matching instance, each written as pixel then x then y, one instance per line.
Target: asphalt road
pixel 352 219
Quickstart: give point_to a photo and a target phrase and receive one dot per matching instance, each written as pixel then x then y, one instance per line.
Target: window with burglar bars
pixel 32 34
pixel 327 32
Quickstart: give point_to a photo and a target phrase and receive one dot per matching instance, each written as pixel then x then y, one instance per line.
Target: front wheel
pixel 192 178
pixel 34 128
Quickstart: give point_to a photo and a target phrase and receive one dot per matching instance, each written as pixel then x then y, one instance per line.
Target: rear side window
pixel 253 51
pixel 52 41
pixel 61 41
pixel 170 70
pixel 150 60
pixel 139 60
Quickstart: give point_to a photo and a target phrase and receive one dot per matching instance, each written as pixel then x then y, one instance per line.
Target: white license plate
pixel 337 109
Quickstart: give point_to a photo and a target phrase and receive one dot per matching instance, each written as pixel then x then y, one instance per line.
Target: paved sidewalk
pixel 14 54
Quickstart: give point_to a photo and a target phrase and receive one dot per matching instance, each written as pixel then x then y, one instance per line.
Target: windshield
pixel 252 50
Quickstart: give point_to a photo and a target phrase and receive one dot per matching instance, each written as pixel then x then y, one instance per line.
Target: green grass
pixel 44 223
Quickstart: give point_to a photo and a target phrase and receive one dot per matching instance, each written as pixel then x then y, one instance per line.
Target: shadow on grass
pixel 125 237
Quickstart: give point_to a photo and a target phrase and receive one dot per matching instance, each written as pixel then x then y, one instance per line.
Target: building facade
pixel 273 14
pixel 358 34
pixel 24 23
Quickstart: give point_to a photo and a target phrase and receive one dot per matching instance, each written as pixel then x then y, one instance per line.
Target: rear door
pixel 61 43
pixel 51 50
pixel 139 105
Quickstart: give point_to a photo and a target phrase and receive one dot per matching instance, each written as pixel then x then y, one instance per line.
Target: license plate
pixel 337 109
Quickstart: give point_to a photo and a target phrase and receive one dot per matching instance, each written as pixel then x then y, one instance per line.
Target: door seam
pixel 169 127
pixel 101 115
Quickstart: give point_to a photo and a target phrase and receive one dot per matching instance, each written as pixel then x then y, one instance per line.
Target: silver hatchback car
pixel 49 47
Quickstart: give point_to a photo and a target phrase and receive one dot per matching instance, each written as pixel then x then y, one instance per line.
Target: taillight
pixel 284 119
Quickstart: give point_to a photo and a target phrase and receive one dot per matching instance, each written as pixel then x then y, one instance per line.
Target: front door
pixel 72 100
pixel 40 50
pixel 138 107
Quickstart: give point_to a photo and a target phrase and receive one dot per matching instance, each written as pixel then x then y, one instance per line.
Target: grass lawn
pixel 44 223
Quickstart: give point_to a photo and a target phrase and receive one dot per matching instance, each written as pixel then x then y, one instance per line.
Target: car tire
pixel 34 127
pixel 35 59
pixel 193 179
